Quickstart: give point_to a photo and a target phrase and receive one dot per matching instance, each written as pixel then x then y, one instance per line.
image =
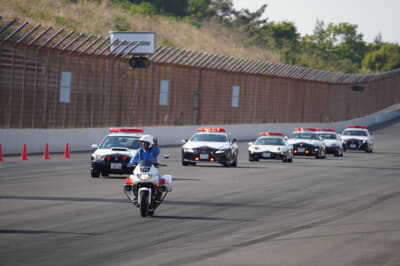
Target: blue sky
pixel 373 17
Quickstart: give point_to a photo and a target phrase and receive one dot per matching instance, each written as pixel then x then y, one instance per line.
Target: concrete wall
pixel 12 140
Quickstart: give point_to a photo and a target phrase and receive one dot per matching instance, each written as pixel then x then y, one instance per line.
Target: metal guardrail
pixel 71 41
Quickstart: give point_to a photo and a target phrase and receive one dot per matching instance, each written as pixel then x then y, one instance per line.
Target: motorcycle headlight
pixel 144 177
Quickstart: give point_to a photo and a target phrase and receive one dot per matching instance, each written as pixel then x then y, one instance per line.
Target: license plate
pixel 204 156
pixel 353 146
pixel 301 149
pixel 266 154
pixel 115 165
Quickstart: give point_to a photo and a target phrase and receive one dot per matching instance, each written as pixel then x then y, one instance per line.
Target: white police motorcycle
pixel 146 188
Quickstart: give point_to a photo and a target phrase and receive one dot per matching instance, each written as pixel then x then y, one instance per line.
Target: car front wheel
pixel 94 172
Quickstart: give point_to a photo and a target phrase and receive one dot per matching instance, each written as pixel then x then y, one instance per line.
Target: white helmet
pixel 147 138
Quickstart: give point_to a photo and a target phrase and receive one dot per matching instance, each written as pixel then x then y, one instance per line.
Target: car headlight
pixel 144 177
pixel 188 150
pixel 99 157
pixel 220 152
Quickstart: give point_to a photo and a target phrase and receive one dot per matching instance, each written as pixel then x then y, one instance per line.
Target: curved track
pixel 338 211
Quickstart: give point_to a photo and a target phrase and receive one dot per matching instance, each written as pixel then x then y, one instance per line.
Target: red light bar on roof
pixel 355 126
pixel 327 129
pixel 214 129
pixel 127 130
pixel 305 129
pixel 271 134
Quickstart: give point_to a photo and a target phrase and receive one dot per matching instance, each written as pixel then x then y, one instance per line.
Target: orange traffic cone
pixel 24 153
pixel 66 150
pixel 46 152
pixel 1 154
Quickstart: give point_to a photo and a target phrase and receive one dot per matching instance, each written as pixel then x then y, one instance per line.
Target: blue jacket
pixel 149 154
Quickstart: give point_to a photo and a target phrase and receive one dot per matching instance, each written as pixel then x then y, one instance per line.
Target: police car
pixel 332 141
pixel 210 145
pixel 355 137
pixel 306 142
pixel 271 145
pixel 114 152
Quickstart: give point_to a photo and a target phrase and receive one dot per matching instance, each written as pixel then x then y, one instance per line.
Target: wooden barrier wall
pixel 107 92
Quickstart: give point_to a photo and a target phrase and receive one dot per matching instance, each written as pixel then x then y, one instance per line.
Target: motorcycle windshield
pixel 145 166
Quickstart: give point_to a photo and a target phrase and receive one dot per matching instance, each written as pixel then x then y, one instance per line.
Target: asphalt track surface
pixel 337 211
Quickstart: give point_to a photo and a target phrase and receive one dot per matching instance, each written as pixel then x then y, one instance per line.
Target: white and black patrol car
pixel 355 137
pixel 210 145
pixel 306 142
pixel 271 145
pixel 115 151
pixel 332 141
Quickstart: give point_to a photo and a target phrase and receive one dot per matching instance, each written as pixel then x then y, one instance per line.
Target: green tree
pixel 223 10
pixel 171 7
pixel 386 58
pixel 250 24
pixel 283 35
pixel 199 9
pixel 144 8
pixel 334 47
pixel 347 42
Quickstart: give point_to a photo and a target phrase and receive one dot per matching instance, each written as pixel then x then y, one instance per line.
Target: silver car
pixel 355 137
pixel 270 146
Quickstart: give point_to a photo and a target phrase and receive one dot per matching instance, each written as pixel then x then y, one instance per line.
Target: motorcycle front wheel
pixel 144 203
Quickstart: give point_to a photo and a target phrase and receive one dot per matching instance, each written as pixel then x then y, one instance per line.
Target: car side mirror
pixel 94 146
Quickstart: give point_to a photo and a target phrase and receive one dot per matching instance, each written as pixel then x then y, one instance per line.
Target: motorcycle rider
pixel 148 150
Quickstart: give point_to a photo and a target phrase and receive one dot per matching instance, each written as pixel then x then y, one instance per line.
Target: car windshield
pixel 302 135
pixel 209 137
pixel 129 142
pixel 355 133
pixel 270 141
pixel 327 135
